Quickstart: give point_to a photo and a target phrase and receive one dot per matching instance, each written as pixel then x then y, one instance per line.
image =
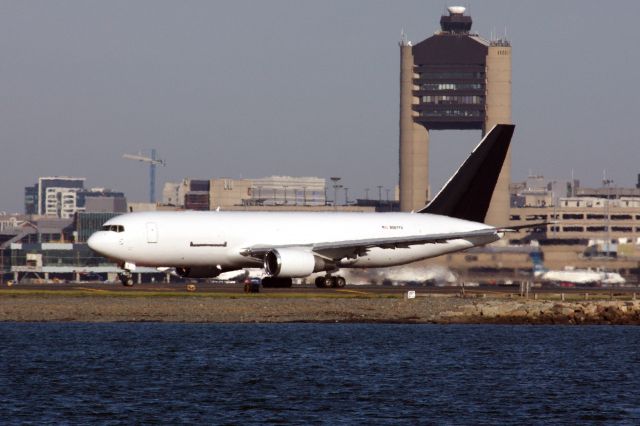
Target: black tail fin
pixel 468 193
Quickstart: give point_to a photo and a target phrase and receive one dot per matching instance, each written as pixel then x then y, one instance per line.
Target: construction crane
pixel 153 162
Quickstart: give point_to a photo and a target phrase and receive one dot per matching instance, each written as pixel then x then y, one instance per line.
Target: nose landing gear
pixel 126 278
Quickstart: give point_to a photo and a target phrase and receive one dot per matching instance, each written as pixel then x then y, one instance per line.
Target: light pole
pixel 346 196
pixel 379 192
pixel 555 208
pixel 366 193
pixel 608 183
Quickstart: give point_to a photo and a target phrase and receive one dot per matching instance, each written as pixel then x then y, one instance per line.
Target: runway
pixel 310 290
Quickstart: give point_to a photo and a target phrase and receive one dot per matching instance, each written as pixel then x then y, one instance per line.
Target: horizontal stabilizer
pixel 517 228
pixel 468 193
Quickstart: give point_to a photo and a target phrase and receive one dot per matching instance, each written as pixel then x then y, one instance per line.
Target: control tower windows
pixel 451 113
pixel 451 86
pixel 448 100
pixel 452 75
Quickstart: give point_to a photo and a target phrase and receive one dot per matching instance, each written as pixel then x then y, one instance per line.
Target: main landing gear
pixel 334 281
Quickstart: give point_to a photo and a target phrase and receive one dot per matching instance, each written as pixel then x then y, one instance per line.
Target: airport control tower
pixel 454 79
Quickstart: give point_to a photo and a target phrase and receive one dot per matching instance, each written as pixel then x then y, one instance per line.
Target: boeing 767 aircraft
pixel 296 244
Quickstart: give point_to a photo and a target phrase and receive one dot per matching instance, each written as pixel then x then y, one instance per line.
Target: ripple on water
pixel 305 373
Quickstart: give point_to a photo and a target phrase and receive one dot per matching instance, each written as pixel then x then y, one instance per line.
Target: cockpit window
pixel 113 228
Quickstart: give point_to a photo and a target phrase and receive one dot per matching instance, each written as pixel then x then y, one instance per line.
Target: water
pixel 318 373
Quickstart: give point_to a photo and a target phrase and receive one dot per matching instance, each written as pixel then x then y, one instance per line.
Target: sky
pixel 292 87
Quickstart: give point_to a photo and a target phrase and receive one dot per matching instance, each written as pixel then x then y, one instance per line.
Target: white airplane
pixel 296 244
pixel 575 277
pixel 578 277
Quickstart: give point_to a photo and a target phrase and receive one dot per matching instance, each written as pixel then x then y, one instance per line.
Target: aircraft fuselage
pixel 193 238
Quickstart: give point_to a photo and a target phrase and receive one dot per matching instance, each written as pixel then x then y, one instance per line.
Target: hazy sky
pixel 256 88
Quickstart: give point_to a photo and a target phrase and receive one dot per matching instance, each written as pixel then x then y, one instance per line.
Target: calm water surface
pixel 318 373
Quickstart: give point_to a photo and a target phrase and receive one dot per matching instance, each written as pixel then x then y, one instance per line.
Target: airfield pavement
pixel 91 305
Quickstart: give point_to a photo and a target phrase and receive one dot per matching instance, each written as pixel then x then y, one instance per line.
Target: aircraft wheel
pixel 126 280
pixel 319 282
pixel 340 282
pixel 329 281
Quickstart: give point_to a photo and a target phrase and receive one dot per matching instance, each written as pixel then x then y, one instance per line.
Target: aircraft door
pixel 152 232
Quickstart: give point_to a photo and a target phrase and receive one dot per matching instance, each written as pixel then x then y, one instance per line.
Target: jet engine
pixel 198 272
pixel 291 263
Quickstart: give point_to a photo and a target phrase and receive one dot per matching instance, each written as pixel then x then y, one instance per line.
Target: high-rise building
pixel 62 197
pixel 31 199
pixel 53 196
pixel 454 79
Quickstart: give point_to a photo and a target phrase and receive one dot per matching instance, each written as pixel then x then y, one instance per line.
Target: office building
pixel 54 196
pixel 289 191
pixel 62 197
pixel 281 191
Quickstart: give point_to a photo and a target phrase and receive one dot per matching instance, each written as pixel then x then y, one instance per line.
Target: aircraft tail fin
pixel 537 259
pixel 468 192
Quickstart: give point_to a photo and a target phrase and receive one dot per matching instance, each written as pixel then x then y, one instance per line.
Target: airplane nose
pixel 96 242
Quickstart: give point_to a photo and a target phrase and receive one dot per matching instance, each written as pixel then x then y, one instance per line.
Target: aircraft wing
pixel 338 249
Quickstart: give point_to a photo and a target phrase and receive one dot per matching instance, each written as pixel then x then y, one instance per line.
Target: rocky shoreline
pixel 427 309
pixel 546 312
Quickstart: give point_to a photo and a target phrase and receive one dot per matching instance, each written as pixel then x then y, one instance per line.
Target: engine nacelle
pixel 198 272
pixel 292 263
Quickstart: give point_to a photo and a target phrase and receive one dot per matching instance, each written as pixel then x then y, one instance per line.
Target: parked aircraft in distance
pixel 572 277
pixel 296 244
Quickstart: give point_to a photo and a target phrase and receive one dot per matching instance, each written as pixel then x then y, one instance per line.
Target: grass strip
pixel 159 294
